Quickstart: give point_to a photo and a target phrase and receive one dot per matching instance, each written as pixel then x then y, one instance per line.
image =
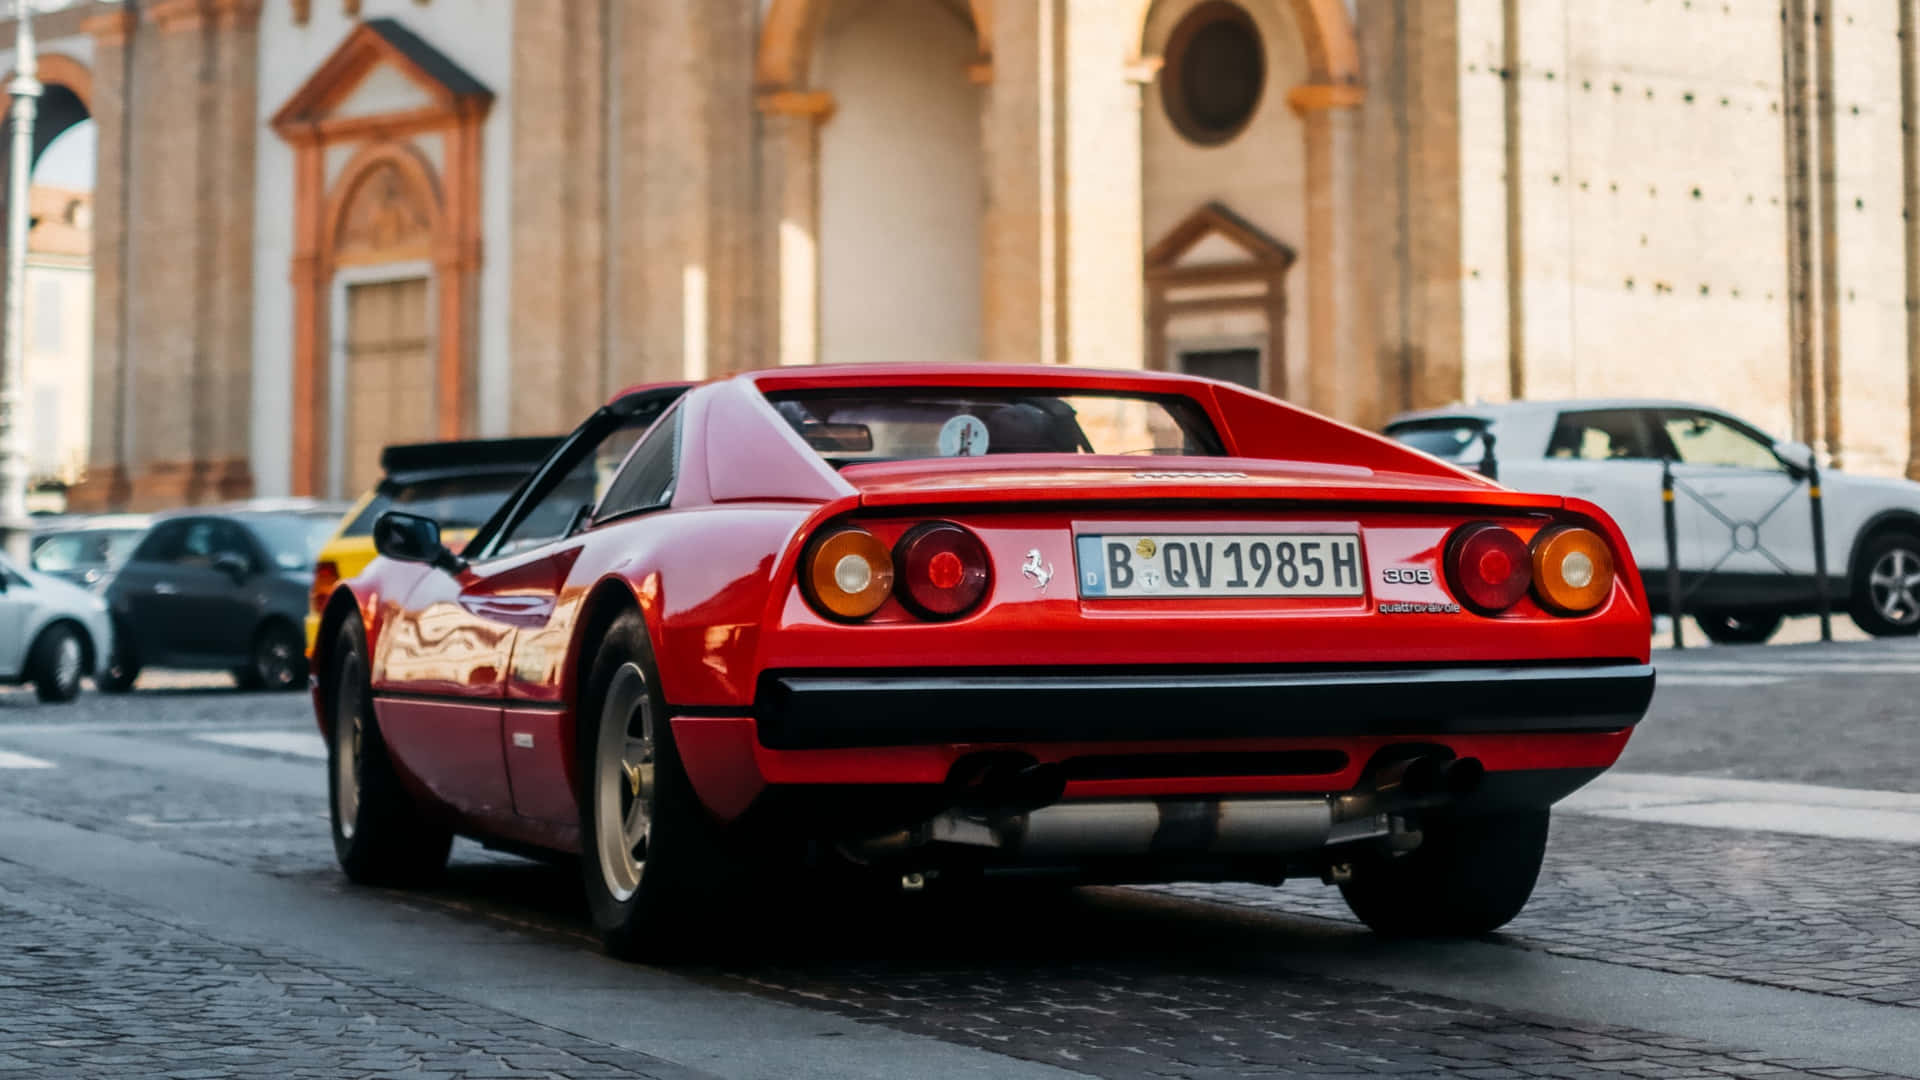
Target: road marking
pixel 1790 669
pixel 306 744
pixel 11 760
pixel 1673 678
pixel 151 822
pixel 1757 805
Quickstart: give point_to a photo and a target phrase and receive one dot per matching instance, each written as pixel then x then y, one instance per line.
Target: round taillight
pixel 944 572
pixel 1572 570
pixel 1489 567
pixel 848 573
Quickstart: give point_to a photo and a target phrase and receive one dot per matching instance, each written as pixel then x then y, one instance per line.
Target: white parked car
pixel 1744 522
pixel 51 633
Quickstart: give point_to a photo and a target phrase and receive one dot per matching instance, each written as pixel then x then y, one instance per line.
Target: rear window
pixel 847 427
pixel 1449 439
pixel 293 540
pixel 456 502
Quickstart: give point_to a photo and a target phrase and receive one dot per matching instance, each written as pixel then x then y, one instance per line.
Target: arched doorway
pixel 874 131
pixel 58 362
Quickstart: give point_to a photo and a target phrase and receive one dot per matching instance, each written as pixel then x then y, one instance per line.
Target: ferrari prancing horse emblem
pixel 1036 572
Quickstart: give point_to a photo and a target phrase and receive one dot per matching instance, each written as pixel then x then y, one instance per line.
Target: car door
pixel 142 593
pixel 200 603
pixel 1606 456
pixel 16 607
pixel 1740 511
pixel 441 679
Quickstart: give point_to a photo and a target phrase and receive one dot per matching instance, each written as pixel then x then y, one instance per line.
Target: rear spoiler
pixel 477 454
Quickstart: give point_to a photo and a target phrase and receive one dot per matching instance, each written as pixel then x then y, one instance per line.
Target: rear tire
pixel 1885 595
pixel 279 660
pixel 379 833
pixel 1739 627
pixel 119 673
pixel 56 663
pixel 1469 876
pixel 651 860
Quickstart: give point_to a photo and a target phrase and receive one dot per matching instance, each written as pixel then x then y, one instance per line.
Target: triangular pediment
pixel 381 69
pixel 1214 237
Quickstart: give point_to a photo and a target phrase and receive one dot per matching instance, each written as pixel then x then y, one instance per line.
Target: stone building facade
pixel 323 225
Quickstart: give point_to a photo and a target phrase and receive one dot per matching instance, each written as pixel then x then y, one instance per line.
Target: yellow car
pixel 458 484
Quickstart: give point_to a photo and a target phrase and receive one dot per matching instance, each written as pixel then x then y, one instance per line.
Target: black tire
pixel 1469 876
pixel 279 660
pixel 56 662
pixel 119 673
pixel 1884 592
pixel 650 897
pixel 379 833
pixel 1739 627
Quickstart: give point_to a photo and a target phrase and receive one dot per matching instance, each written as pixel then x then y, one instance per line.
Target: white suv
pixel 1744 522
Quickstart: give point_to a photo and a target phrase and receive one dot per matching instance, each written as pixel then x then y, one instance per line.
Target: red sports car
pixel 940 624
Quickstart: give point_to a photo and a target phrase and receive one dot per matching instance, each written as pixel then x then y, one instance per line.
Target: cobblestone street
pixel 171 907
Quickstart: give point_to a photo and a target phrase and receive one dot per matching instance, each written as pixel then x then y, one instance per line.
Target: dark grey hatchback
pixel 215 590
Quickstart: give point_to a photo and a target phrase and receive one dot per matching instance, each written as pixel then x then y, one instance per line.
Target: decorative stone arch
pixel 63 70
pixel 386 204
pixel 1337 349
pixel 59 112
pixel 1333 51
pixel 784 56
pixel 1215 262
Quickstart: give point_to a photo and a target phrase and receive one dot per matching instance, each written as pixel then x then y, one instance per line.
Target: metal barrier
pixel 1677 596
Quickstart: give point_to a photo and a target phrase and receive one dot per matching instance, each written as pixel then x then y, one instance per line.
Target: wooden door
pixel 390 375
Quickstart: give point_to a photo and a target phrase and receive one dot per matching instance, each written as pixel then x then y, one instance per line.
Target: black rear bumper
pixel 820 710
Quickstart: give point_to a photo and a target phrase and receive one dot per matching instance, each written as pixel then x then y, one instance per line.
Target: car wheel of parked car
pixel 279 660
pixel 118 674
pixel 1470 875
pixel 1886 585
pixel 379 835
pixel 56 663
pixel 652 865
pixel 1739 627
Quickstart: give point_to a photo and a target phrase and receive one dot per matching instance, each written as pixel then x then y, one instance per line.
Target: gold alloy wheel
pixel 623 782
pixel 348 737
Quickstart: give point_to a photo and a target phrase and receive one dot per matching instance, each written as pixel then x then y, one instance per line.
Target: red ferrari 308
pixel 942 624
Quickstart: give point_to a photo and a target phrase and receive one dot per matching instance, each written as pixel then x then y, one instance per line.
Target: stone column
pixel 1103 294
pixel 1337 382
pixel 1021 245
pixel 560 296
pixel 108 484
pixel 169 271
pixel 790 163
pixel 233 133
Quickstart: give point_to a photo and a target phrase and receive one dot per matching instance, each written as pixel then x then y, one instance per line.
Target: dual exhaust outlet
pixel 1014 811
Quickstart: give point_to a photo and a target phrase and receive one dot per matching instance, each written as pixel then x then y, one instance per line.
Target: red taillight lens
pixel 1489 567
pixel 325 577
pixel 944 572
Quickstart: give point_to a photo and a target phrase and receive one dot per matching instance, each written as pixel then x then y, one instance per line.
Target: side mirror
pixel 233 564
pixel 411 538
pixel 1796 456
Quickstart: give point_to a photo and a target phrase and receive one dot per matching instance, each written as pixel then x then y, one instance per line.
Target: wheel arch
pixel 341 604
pixel 89 651
pixel 1886 521
pixel 609 599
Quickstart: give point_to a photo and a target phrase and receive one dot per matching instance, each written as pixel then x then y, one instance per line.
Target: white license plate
pixel 1219 564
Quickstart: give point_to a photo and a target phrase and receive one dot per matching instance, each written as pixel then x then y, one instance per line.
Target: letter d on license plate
pixel 1218 564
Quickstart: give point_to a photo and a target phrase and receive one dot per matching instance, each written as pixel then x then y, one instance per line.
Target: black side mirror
pixel 412 538
pixel 233 564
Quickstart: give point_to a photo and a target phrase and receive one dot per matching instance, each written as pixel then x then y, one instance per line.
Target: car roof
pixel 1507 409
pixel 290 506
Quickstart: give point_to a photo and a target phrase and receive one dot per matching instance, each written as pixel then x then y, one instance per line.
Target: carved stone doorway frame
pixel 1253 283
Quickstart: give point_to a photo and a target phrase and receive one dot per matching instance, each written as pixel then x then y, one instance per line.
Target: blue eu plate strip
pixel 1092 571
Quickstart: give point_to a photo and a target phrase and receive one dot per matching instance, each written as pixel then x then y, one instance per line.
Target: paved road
pixel 1737 900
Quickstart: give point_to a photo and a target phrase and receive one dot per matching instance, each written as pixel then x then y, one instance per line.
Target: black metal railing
pixel 1677 594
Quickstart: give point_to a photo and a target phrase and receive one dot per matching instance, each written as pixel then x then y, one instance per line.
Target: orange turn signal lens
pixel 1572 570
pixel 848 573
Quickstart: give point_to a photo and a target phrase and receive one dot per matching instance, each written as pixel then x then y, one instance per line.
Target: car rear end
pixel 1141 668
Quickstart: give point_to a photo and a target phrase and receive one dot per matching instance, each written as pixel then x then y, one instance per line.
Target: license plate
pixel 1219 564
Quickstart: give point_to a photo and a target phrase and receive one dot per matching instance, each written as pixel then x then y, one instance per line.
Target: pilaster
pixel 1022 239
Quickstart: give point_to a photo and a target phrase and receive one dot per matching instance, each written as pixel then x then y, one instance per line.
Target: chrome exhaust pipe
pixel 1142 826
